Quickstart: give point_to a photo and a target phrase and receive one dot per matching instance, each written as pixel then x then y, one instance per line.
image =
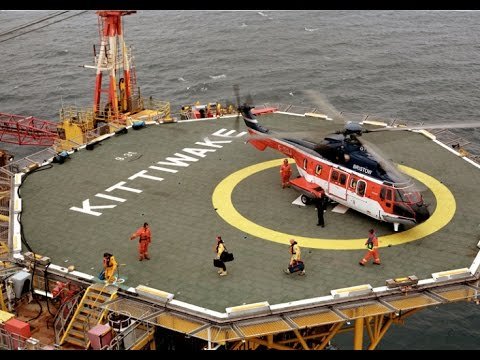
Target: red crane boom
pixel 27 130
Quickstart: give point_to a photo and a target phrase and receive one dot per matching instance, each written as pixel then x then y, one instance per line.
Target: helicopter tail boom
pixel 250 119
pixel 260 136
pixel 258 144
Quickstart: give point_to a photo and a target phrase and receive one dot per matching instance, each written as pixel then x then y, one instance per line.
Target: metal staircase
pixel 88 314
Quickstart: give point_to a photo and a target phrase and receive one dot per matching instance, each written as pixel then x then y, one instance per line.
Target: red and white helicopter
pixel 350 171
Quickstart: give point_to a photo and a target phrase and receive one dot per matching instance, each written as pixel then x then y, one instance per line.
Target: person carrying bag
pixel 223 256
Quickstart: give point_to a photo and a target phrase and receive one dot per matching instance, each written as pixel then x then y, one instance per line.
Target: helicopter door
pixel 337 185
pixel 356 195
pixel 386 197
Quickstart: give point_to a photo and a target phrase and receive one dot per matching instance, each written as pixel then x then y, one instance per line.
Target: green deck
pixel 184 223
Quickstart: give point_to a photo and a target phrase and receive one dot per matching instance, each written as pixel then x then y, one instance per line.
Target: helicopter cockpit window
pixel 318 169
pixel 305 164
pixel 343 179
pixel 407 196
pixel 361 185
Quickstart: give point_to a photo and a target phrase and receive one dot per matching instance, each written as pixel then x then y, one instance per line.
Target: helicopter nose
pixel 421 213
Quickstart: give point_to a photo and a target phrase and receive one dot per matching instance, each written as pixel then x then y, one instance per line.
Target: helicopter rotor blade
pixel 236 124
pixel 324 105
pixel 303 135
pixel 432 126
pixel 315 135
pixel 236 91
pixel 249 100
pixel 390 167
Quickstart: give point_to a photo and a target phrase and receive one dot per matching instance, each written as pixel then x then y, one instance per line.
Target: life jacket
pixel 218 244
pixel 285 170
pixel 372 242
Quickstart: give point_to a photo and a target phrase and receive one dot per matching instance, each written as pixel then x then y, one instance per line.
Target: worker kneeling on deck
pixel 109 267
pixel 296 263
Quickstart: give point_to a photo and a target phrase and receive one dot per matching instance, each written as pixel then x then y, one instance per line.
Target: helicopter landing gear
pixel 306 200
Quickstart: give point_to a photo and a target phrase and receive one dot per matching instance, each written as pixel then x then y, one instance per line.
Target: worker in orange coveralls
pixel 145 238
pixel 285 173
pixel 372 246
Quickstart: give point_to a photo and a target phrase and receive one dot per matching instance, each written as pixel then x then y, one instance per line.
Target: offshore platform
pixel 108 169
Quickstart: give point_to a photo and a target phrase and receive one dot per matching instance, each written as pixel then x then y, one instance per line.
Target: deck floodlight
pixel 364 289
pixel 248 309
pixel 18 179
pixel 17 205
pixel 451 274
pixel 154 294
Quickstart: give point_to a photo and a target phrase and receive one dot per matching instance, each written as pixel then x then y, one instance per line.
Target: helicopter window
pixel 335 176
pixel 353 183
pixel 305 164
pixel 343 179
pixel 318 169
pixel 389 194
pixel 386 194
pixel 361 187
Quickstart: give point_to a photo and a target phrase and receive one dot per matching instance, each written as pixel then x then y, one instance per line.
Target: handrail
pixel 63 320
pixel 9 341
pixel 117 342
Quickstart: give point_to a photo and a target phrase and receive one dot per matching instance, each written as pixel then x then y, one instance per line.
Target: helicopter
pixel 350 171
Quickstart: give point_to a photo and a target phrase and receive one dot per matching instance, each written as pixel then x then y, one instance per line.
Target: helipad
pixel 166 175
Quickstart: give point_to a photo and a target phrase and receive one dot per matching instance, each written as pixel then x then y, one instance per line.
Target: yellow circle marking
pixel 222 201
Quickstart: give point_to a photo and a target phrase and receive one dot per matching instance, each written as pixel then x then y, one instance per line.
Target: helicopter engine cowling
pixel 353 128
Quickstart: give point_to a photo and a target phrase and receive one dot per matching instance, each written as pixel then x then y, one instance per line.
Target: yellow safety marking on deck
pixel 222 201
